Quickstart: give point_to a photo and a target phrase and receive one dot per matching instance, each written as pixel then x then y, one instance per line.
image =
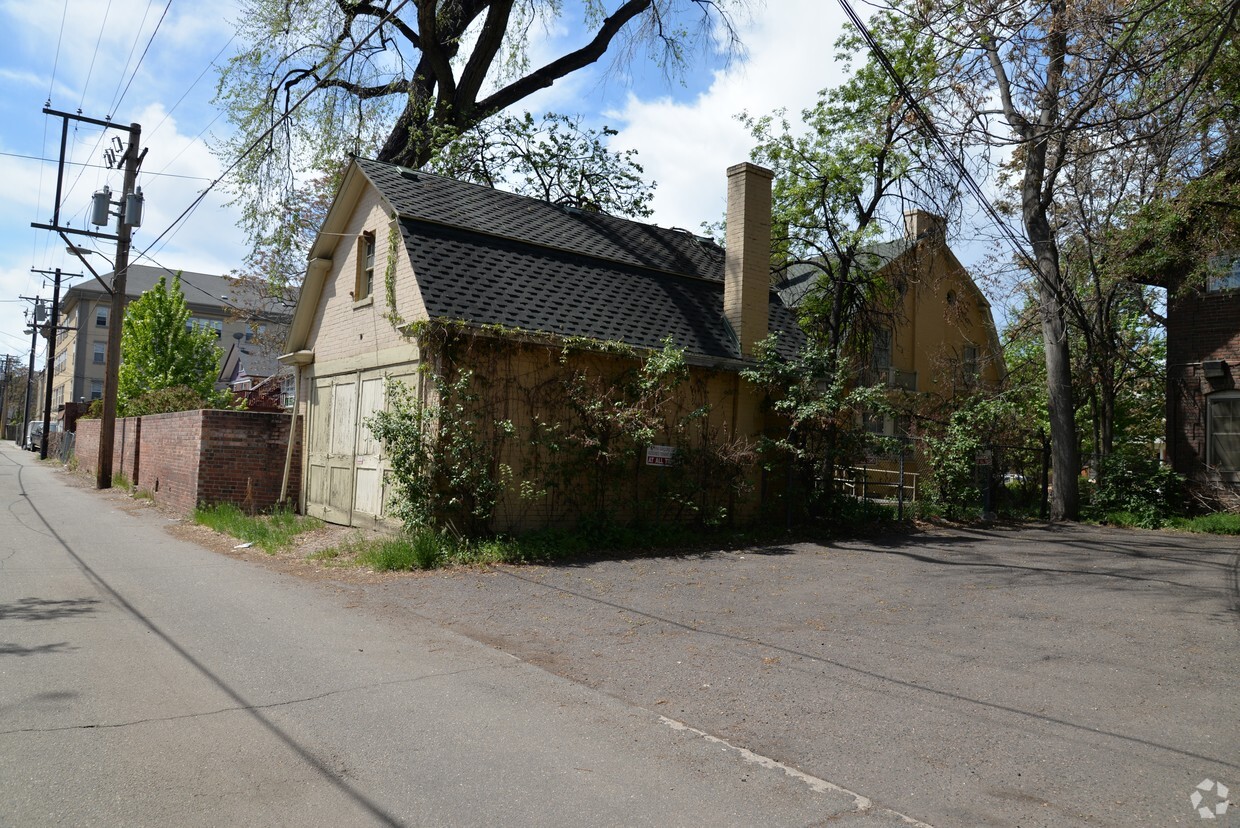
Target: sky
pixel 152 62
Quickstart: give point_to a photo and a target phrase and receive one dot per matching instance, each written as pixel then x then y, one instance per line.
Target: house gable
pixel 940 313
pixel 340 324
pixel 489 258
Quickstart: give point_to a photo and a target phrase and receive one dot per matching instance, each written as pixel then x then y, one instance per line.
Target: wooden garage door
pixel 346 480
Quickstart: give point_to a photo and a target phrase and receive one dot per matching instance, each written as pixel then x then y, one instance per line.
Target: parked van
pixel 34 434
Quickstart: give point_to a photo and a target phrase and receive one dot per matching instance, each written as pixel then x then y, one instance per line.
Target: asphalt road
pixel 1017 677
pixel 147 681
pixel 1021 677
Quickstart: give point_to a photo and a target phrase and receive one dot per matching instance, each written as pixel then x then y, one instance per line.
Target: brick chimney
pixel 917 222
pixel 747 254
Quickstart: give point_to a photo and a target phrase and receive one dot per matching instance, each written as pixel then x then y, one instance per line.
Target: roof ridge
pixel 548 222
pixel 585 254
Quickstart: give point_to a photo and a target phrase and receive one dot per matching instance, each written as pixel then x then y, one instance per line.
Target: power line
pixel 207 68
pixel 101 167
pixel 91 71
pixel 51 84
pixel 144 51
pixel 137 35
pixel 274 126
pixel 880 54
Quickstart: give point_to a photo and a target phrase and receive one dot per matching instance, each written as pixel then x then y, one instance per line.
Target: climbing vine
pixel 389 278
pixel 520 432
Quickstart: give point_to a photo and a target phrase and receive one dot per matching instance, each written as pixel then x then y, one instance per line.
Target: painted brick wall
pixel 192 457
pixel 1199 327
pixel 343 328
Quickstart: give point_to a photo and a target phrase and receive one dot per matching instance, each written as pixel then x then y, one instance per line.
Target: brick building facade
pixel 1203 393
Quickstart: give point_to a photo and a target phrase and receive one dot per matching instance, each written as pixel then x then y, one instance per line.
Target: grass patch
pixel 1215 523
pixel 270 533
pixel 120 480
pixel 144 494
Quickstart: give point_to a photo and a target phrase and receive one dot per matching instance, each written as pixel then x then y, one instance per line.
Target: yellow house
pixel 938 335
pixel 544 309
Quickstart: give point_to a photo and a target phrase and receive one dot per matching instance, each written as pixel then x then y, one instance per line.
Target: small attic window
pixel 951 297
pixel 365 266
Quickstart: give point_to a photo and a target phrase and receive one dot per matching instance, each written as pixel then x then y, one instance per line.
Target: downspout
pixel 298 360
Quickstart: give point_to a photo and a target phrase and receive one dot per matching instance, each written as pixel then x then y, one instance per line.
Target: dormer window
pixel 365 266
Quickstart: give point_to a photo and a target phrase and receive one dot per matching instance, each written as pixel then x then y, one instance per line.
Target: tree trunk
pixel 1065 454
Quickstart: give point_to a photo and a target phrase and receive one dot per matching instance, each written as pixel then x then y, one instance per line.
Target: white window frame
pixel 367 250
pixel 1227 273
pixel 1211 401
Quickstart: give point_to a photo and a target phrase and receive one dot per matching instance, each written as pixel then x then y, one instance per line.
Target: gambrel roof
pixel 489 257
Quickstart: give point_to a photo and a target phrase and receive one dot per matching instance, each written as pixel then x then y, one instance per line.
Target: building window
pixel 197 324
pixel 99 353
pixel 287 391
pixel 62 359
pixel 968 363
pixel 880 356
pixel 101 316
pixel 365 266
pixel 1226 275
pixel 96 389
pixel 1223 431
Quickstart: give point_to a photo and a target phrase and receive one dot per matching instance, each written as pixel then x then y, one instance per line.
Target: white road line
pixel 861 804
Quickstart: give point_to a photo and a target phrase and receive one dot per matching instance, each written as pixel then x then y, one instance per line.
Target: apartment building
pixel 86 317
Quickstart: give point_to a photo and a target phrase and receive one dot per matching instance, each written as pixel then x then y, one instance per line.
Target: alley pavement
pixel 1032 676
pixel 148 681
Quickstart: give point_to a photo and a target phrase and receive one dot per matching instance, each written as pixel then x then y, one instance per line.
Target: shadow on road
pixel 241 702
pixel 43 609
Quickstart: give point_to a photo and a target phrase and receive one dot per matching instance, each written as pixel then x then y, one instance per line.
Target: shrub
pixel 1140 486
pixel 175 398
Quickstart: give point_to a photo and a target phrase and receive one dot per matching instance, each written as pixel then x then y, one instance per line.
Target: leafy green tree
pixel 1050 86
pixel 844 172
pixel 556 159
pixel 160 348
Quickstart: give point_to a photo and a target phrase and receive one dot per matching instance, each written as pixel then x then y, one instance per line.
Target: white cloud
pixel 686 146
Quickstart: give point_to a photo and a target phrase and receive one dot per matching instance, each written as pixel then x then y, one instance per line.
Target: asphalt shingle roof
pixel 800 277
pixel 493 258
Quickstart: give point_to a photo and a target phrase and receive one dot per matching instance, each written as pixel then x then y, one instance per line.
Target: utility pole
pixel 51 354
pixel 4 396
pixel 129 216
pixel 107 428
pixel 34 341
